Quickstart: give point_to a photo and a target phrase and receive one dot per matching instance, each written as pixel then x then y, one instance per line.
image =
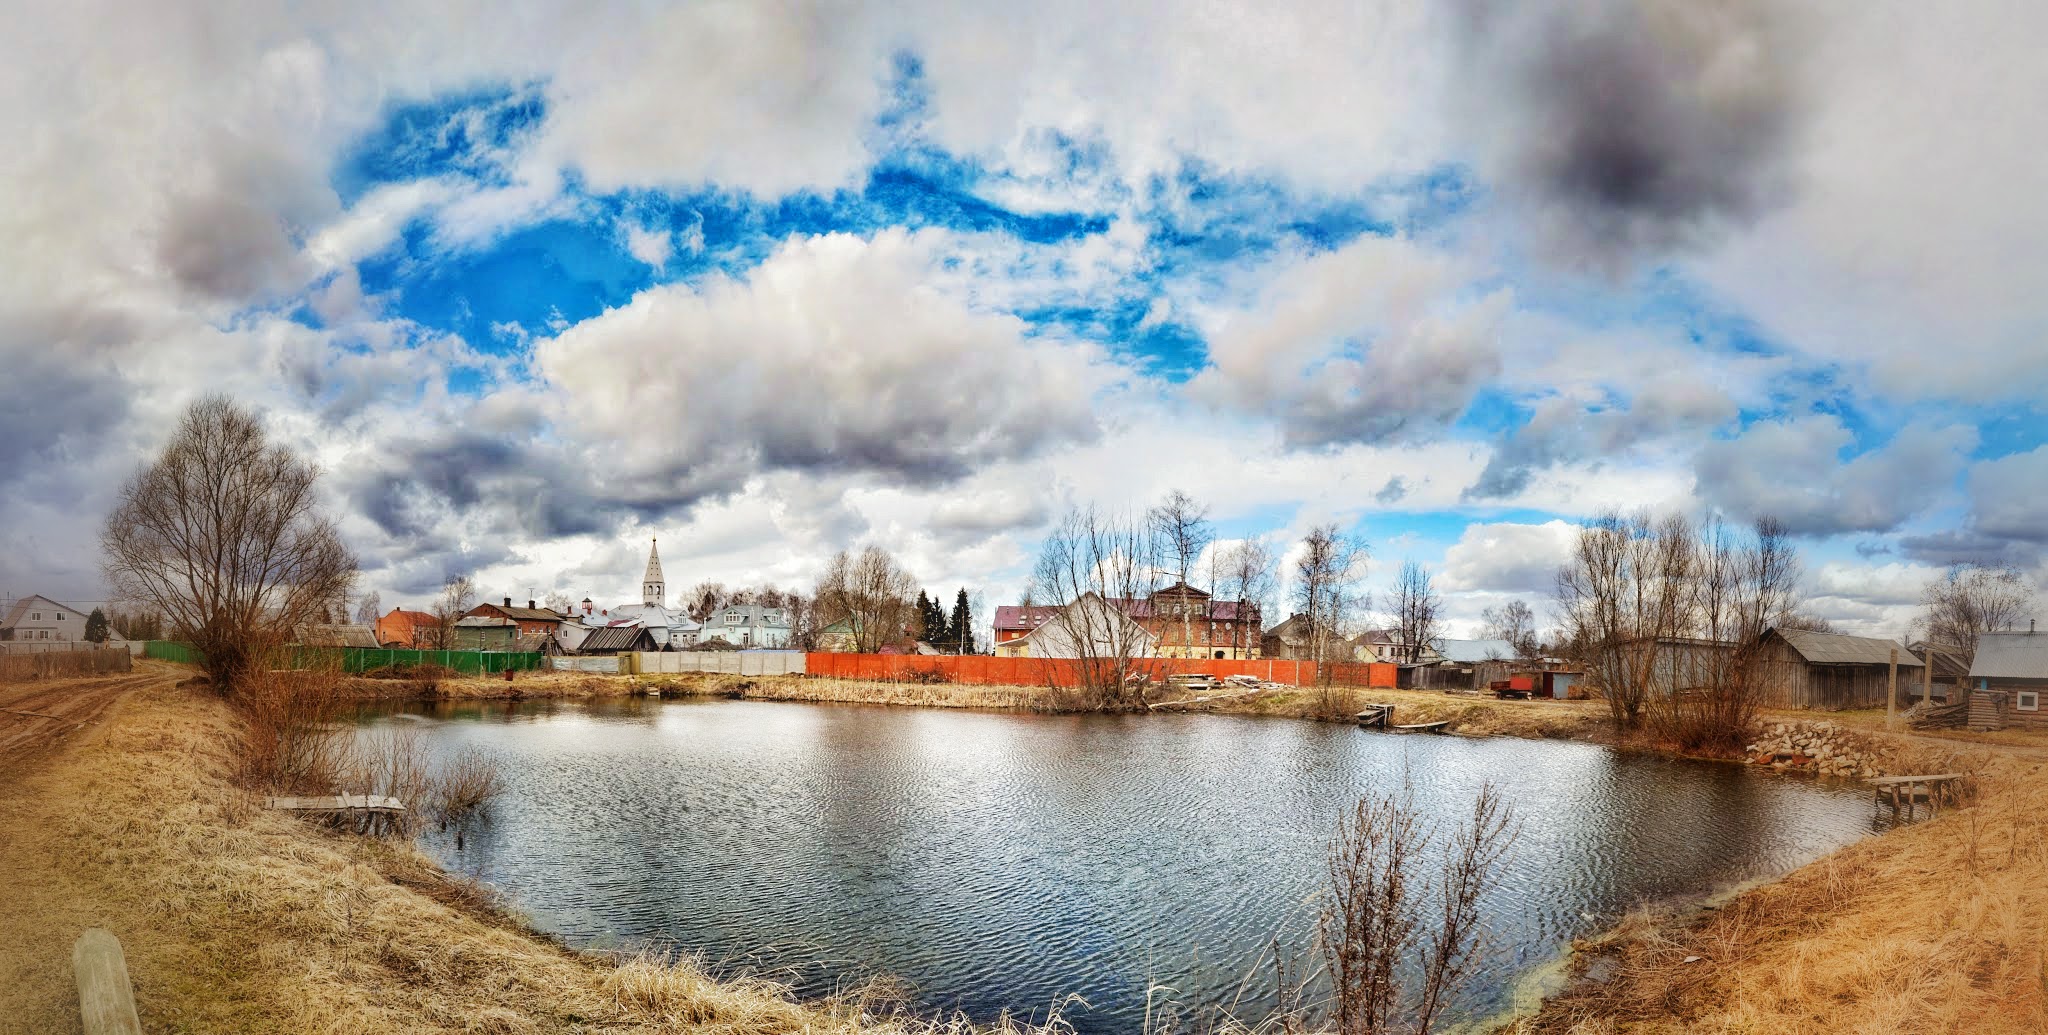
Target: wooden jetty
pixel 1376 716
pixel 1904 793
pixel 365 812
pixel 1424 727
pixel 106 1001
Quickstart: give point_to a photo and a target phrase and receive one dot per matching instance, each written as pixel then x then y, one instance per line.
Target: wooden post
pixel 1927 675
pixel 1891 700
pixel 106 1003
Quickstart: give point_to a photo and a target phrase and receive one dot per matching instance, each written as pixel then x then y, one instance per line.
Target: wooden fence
pixel 63 664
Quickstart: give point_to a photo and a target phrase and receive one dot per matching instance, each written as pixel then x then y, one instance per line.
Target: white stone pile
pixel 1821 748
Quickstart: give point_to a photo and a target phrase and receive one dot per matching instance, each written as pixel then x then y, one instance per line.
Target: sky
pixel 535 284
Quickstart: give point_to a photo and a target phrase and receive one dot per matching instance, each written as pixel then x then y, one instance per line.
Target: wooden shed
pixel 2009 679
pixel 1804 669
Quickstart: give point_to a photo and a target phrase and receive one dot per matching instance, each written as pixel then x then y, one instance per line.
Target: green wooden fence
pixel 364 659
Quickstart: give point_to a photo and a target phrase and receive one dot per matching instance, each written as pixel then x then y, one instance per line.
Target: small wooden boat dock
pixel 1424 727
pixel 365 812
pixel 1376 716
pixel 1904 793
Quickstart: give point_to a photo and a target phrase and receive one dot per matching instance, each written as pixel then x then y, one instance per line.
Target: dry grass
pixel 1935 927
pixel 238 919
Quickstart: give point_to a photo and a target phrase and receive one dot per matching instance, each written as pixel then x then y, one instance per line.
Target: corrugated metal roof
pixel 2012 655
pixel 611 639
pixel 1819 648
pixel 338 636
pixel 1023 616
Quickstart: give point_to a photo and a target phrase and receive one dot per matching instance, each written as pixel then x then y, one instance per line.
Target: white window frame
pixel 2027 700
pixel 734 617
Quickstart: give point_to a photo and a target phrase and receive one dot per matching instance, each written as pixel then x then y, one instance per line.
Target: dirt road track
pixel 36 717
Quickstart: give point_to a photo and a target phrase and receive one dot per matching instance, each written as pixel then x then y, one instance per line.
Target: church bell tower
pixel 652 590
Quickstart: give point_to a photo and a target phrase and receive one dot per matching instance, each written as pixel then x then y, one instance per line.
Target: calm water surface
pixel 1000 861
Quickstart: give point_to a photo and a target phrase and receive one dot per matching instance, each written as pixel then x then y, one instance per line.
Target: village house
pixel 1289 641
pixel 486 632
pixel 1187 623
pixel 1015 621
pixel 747 627
pixel 1390 647
pixel 617 639
pixel 44 620
pixel 1947 675
pixel 408 630
pixel 2008 679
pixel 531 620
pixel 1088 627
pixel 330 635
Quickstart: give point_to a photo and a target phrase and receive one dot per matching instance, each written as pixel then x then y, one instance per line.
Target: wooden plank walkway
pixel 1424 727
pixel 1377 716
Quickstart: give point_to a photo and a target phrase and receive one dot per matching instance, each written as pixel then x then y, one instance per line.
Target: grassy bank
pixel 1934 927
pixel 239 919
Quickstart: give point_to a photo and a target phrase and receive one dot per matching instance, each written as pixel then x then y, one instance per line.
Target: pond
pixel 1006 861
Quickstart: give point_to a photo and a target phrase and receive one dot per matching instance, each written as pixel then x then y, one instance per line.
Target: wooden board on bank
pixel 339 803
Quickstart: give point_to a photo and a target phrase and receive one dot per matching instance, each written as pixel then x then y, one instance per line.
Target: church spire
pixel 653 590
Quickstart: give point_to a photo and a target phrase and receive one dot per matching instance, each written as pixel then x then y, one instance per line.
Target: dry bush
pixel 291 743
pixel 469 781
pixel 391 762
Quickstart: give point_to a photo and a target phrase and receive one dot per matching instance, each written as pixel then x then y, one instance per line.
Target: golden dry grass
pixel 1934 927
pixel 238 919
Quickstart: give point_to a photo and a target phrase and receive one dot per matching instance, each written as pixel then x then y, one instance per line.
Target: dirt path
pixel 38 716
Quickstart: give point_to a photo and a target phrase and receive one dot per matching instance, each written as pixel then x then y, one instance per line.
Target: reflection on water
pixel 1000 861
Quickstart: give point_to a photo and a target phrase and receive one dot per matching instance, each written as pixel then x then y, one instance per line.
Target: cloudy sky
pixel 766 279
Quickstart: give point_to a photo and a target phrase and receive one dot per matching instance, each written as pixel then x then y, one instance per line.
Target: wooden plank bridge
pixel 1904 793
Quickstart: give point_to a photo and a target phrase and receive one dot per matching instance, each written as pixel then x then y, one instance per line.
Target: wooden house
pixel 2008 679
pixel 618 639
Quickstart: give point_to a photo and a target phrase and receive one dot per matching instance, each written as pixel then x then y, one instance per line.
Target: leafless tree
pixel 704 600
pixel 1245 574
pixel 1514 622
pixel 1325 587
pixel 1092 566
pixel 458 596
pixel 1180 532
pixel 558 602
pixel 223 534
pixel 371 609
pixel 1970 600
pixel 1621 599
pixel 871 592
pixel 803 626
pixel 1416 609
pixel 1382 913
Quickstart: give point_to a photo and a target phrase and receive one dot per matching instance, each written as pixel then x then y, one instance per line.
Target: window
pixel 35 616
pixel 733 617
pixel 2029 701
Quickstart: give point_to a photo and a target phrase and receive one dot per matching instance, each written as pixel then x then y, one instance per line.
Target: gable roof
pixel 612 639
pixel 338 636
pixel 1819 648
pixel 20 608
pixel 521 614
pixel 1024 616
pixel 2011 655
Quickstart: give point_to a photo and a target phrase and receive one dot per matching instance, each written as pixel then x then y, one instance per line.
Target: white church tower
pixel 652 589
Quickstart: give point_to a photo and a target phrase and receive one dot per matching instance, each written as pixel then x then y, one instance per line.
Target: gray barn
pixel 1805 669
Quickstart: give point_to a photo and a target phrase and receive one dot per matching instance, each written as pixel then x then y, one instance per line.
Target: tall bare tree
pixel 1416 608
pixel 1245 572
pixel 1180 532
pixel 223 534
pixel 1623 597
pixel 704 599
pixel 371 609
pixel 1326 575
pixel 1514 622
pixel 458 595
pixel 871 592
pixel 1970 600
pixel 1088 565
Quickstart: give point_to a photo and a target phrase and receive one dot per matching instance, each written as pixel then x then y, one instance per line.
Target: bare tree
pixel 704 600
pixel 1325 580
pixel 558 602
pixel 1622 599
pixel 223 535
pixel 1515 623
pixel 1245 574
pixel 371 609
pixel 1382 914
pixel 1180 532
pixel 1970 600
pixel 458 595
pixel 871 592
pixel 1091 566
pixel 1416 609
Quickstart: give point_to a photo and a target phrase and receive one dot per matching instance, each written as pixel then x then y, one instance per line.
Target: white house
pixel 42 619
pixel 1088 627
pixel 748 626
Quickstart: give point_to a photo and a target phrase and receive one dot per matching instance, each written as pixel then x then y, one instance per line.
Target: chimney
pixel 530 607
pixel 508 601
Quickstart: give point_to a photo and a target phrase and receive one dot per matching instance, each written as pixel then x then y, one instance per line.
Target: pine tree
pixel 924 616
pixel 935 623
pixel 96 626
pixel 960 629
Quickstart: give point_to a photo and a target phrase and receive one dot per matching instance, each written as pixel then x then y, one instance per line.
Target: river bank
pixel 240 919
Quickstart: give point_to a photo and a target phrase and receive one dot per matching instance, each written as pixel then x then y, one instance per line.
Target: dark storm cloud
pixel 1393 492
pixel 1969 547
pixel 1639 124
pixel 55 409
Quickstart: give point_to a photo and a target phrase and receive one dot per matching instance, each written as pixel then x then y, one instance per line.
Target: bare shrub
pixel 291 743
pixel 1382 914
pixel 469 781
pixel 391 761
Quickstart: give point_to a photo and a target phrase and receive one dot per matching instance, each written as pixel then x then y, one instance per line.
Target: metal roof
pixel 612 639
pixel 1819 648
pixel 2011 655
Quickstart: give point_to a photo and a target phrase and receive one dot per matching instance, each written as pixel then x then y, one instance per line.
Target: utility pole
pixel 1891 700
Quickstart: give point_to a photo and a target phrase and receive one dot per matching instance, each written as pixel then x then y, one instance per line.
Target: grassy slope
pixel 237 919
